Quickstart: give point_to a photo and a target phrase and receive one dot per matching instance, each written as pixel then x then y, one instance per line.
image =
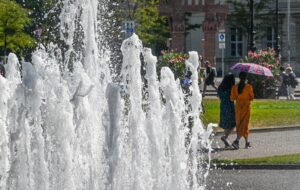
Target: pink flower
pixel 255 55
pixel 250 53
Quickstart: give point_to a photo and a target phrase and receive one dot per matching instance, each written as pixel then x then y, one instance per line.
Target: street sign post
pixel 222 37
pixel 222 40
pixel 128 28
pixel 222 47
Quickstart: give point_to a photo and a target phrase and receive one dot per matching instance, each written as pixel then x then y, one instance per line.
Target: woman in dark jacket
pixel 227 113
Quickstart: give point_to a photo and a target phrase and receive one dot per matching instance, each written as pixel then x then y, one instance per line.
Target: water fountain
pixel 78 130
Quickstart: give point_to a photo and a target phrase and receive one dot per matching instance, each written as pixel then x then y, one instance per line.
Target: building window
pixel 236 42
pixel 271 37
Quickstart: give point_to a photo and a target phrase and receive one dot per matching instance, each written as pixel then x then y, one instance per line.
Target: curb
pixel 268 129
pixel 287 128
pixel 257 167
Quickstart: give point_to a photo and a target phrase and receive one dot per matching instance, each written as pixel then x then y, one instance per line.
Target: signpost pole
pixel 222 47
pixel 223 73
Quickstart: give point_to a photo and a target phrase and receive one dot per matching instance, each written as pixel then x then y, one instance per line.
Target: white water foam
pixel 75 129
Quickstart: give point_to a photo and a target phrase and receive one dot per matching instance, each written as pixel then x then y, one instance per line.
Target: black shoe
pixel 235 144
pixel 248 145
pixel 225 142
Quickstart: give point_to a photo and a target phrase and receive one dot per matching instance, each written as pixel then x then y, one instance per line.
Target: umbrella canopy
pixel 252 68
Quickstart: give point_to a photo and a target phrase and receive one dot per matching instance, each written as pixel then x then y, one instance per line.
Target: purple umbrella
pixel 252 68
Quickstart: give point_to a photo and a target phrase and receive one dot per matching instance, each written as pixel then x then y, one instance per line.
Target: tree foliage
pixel 240 16
pixel 45 15
pixel 151 27
pixel 13 20
pixel 175 61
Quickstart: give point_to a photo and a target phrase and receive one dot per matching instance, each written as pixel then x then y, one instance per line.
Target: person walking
pixel 227 113
pixel 243 94
pixel 283 77
pixel 211 73
pixel 291 84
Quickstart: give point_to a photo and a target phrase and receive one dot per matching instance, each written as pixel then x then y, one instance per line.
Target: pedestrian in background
pixel 211 73
pixel 283 77
pixel 243 94
pixel 227 113
pixel 291 84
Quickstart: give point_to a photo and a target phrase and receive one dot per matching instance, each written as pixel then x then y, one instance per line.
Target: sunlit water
pixel 63 130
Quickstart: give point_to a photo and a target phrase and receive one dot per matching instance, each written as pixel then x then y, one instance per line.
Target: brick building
pixel 211 16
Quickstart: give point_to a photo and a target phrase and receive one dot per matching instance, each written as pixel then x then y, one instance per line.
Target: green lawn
pixel 285 159
pixel 264 113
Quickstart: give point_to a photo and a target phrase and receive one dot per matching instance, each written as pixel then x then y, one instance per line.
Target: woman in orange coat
pixel 243 94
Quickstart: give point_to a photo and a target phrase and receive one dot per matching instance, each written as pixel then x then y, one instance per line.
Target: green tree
pixel 13 20
pixel 44 16
pixel 175 61
pixel 240 16
pixel 151 27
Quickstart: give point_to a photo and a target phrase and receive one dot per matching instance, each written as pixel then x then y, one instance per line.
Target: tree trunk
pixel 4 48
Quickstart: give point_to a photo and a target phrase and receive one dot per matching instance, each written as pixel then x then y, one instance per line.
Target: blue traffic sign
pixel 221 37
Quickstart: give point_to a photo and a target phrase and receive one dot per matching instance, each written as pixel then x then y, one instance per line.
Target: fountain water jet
pixel 78 130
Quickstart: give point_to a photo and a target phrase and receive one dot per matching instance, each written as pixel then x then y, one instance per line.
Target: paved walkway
pixel 253 180
pixel 269 142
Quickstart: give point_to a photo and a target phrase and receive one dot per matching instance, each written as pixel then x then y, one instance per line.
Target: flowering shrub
pixel 264 87
pixel 175 61
pixel 266 58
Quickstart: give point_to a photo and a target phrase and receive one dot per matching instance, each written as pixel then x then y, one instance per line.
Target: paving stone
pixel 253 180
pixel 267 143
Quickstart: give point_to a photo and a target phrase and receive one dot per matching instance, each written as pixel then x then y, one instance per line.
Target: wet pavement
pixel 268 142
pixel 253 180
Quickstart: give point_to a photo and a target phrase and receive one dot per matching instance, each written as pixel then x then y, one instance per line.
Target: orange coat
pixel 242 108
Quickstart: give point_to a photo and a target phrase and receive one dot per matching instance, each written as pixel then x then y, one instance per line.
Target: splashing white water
pixel 76 129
